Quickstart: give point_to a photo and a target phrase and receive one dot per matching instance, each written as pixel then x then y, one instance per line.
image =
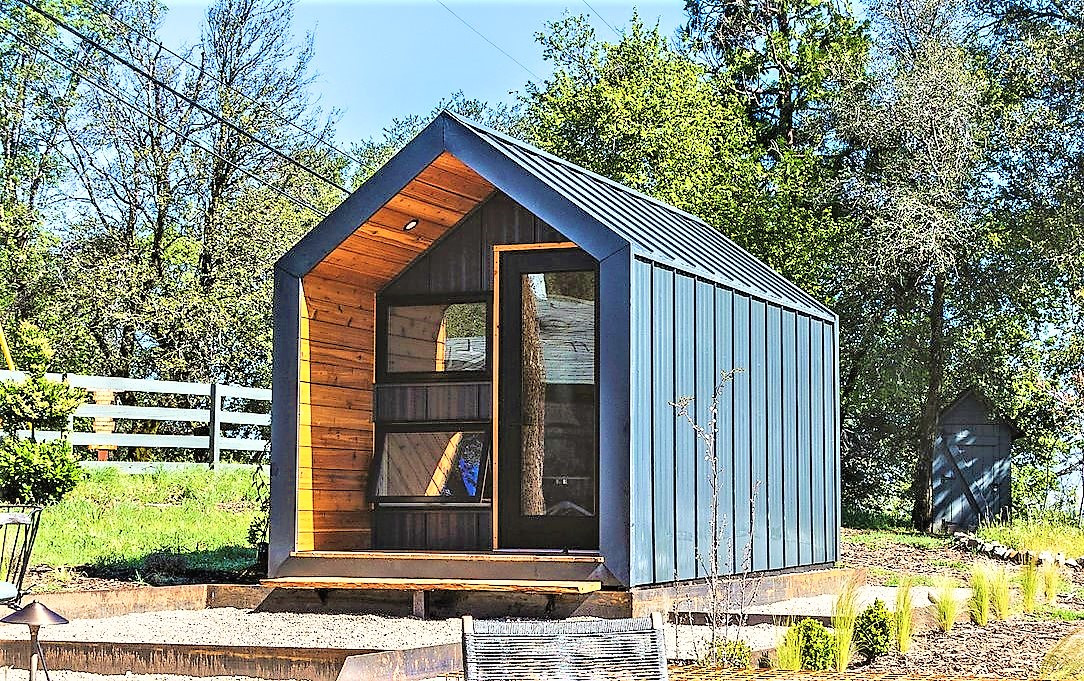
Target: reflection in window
pixel 558 394
pixel 435 464
pixel 436 338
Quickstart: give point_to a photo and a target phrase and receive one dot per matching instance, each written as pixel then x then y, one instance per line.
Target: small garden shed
pixel 972 465
pixel 475 359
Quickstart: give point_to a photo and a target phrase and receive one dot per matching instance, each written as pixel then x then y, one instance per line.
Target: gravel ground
pixel 232 626
pixel 9 674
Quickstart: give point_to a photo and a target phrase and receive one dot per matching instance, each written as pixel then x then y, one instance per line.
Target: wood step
pixel 399 584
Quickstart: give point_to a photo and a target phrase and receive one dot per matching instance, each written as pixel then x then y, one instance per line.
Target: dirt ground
pixel 1011 649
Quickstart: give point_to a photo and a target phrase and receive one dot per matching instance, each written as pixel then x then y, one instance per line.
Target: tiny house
pixel 475 360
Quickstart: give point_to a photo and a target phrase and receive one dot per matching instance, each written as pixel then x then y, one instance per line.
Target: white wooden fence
pixel 215 442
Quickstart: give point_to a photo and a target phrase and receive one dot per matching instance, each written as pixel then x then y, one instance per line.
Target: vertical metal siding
pixel 684 436
pixel 805 506
pixel 776 474
pixel 743 487
pixel 643 549
pixel 776 432
pixel 790 439
pixel 724 361
pixel 816 407
pixel 758 431
pixel 707 377
pixel 662 381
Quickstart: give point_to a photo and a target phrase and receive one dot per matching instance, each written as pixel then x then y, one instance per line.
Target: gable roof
pixel 600 215
pixel 977 396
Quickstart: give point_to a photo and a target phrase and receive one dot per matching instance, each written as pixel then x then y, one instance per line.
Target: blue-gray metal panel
pixel 758 433
pixel 685 482
pixel 805 505
pixel 284 415
pixel 819 431
pixel 367 200
pixel 790 440
pixel 707 376
pixel 642 514
pixel 724 361
pixel 615 315
pixel 743 486
pixel 776 472
pixel 831 359
pixel 662 381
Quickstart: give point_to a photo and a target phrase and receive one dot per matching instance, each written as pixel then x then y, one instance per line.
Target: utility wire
pixel 143 34
pixel 149 76
pixel 483 37
pixel 123 100
pixel 602 19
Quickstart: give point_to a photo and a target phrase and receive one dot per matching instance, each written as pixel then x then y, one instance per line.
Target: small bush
pixel 1050 574
pixel 729 653
pixel 873 630
pixel 903 613
pixel 844 614
pixel 36 472
pixel 1029 586
pixel 818 646
pixel 1000 595
pixel 946 607
pixel 979 604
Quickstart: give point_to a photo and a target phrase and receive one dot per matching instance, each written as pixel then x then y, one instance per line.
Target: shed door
pixel 547 409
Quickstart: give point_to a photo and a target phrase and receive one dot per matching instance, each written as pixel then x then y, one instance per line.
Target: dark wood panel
pixel 451 402
pixel 432 529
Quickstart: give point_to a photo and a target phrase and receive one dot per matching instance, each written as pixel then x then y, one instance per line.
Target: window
pixel 447 463
pixel 441 339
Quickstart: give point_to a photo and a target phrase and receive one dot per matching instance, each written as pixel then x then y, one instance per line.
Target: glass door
pixel 547 496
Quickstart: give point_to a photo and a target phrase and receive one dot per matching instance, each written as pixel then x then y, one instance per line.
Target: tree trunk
pixel 922 483
pixel 533 391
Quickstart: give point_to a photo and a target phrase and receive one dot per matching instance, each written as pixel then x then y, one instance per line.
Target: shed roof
pixel 597 213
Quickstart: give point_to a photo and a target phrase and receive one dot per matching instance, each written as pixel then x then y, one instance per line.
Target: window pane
pixel 436 338
pixel 558 394
pixel 438 464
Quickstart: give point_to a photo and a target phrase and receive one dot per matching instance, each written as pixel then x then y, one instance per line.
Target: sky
pixel 376 60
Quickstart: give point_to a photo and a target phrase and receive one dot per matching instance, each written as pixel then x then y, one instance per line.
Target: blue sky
pixel 377 60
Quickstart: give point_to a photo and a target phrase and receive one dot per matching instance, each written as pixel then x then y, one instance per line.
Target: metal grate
pixel 595 650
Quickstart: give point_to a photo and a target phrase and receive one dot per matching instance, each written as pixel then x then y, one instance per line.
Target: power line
pixel 602 19
pixel 482 36
pixel 123 100
pixel 143 34
pixel 105 50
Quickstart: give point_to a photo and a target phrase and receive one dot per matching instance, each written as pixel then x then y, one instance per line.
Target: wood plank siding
pixel 337 348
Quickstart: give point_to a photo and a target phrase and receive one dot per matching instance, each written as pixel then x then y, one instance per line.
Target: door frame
pixel 494 455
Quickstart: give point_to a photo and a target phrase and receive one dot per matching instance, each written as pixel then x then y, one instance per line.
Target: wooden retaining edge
pixel 265 662
pixel 415 664
pixel 114 602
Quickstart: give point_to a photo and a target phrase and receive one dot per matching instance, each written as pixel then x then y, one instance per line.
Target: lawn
pixel 170 523
pixel 1037 535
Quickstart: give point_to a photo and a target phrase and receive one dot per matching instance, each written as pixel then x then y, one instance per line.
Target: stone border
pixel 966 541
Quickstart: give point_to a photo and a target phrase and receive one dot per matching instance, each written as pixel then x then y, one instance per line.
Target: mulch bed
pixel 901 559
pixel 1010 649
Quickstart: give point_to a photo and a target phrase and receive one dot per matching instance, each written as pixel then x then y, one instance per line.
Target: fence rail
pixel 105 414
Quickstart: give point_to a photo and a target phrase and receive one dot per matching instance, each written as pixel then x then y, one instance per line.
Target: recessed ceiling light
pixel 410 225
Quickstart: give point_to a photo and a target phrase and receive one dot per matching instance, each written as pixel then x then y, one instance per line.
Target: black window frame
pixel 485 493
pixel 383 305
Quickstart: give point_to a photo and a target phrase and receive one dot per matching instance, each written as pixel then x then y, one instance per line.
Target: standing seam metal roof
pixel 656 231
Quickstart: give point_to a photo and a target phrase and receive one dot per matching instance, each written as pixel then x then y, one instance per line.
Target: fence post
pixel 212 431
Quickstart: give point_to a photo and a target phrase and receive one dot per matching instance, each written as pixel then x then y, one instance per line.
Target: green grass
pixel 879 539
pixel 945 604
pixel 1053 612
pixel 111 523
pixel 1029 586
pixel 902 615
pixel 1037 535
pixel 979 603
